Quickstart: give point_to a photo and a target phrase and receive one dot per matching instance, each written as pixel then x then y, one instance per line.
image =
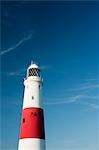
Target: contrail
pixel 17 45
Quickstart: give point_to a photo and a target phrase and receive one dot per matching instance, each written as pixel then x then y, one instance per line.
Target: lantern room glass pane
pixel 34 72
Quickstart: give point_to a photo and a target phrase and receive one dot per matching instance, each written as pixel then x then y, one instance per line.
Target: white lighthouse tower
pixel 32 133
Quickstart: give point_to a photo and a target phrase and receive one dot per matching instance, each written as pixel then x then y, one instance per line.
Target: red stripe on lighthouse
pixel 32 125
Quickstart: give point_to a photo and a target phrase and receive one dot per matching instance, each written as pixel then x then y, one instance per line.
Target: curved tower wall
pixel 32 133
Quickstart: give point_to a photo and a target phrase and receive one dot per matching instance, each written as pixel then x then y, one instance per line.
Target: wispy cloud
pixel 77 99
pixel 87 84
pixel 20 72
pixel 91 106
pixel 30 36
pixel 86 87
pixel 63 100
pixel 45 67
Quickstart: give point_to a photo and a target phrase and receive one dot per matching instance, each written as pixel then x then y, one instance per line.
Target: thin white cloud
pixel 86 87
pixel 63 100
pixel 15 73
pixel 45 67
pixel 85 100
pixel 91 106
pixel 30 36
pixel 96 97
pixel 78 99
pixel 88 84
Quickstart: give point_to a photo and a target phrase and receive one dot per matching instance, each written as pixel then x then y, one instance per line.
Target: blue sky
pixel 63 37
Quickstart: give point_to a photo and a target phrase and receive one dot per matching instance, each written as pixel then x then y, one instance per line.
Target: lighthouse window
pixel 23 120
pixel 32 97
pixel 34 72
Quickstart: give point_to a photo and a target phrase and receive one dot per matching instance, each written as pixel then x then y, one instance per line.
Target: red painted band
pixel 32 125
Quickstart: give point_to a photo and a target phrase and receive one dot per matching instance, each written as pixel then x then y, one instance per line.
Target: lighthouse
pixel 32 133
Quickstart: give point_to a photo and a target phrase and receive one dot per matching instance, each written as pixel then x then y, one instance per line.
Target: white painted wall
pixel 32 89
pixel 31 144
